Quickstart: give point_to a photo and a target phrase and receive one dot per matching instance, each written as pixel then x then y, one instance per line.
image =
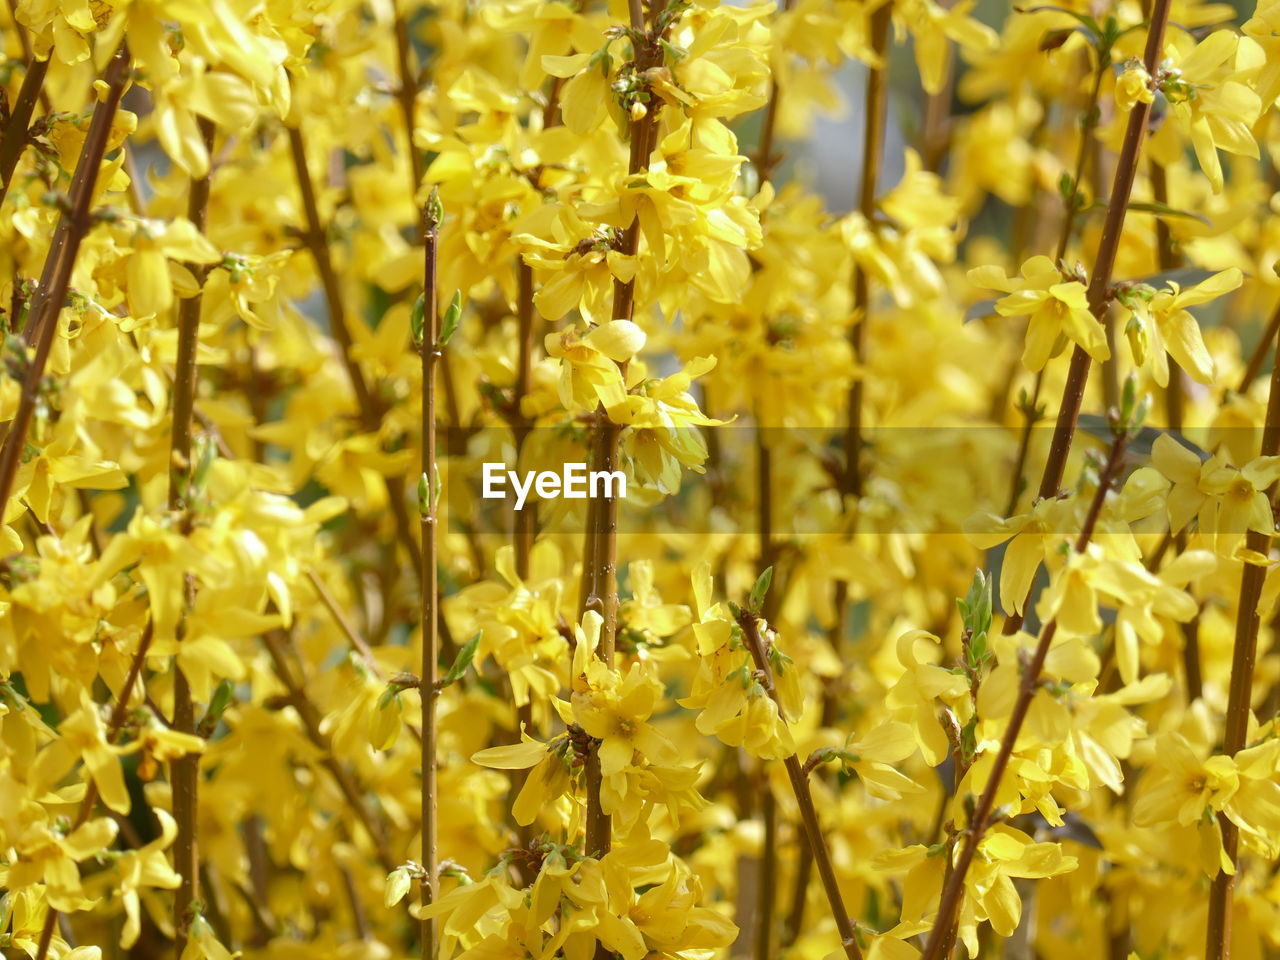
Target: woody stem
pixel 114 724
pixel 55 280
pixel 1064 240
pixel 1244 653
pixel 15 131
pixel 184 771
pixel 874 107
pixel 953 888
pixel 600 562
pixel 275 643
pixel 804 798
pixel 313 236
pixel 1100 279
pixel 431 353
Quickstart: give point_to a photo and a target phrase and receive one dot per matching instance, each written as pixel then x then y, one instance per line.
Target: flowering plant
pixel 855 660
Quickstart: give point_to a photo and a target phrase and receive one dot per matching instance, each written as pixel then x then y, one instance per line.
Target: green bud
pixel 223 696
pixel 462 661
pixel 417 320
pixel 433 211
pixel 1066 186
pixel 760 590
pixel 452 318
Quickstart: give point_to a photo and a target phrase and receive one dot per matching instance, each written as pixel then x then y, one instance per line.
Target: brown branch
pixel 310 717
pixel 407 95
pixel 1066 231
pixel 953 887
pixel 56 278
pixel 370 412
pixel 115 723
pixel 600 574
pixel 431 350
pixel 524 522
pixel 358 643
pixel 874 106
pixel 766 895
pixel 1099 292
pixel 184 771
pixel 765 159
pixel 316 242
pixel 1168 258
pixel 1075 203
pixel 28 53
pixel 1259 355
pixel 407 98
pixel 1031 413
pixel 16 136
pixel 1244 653
pixel 804 798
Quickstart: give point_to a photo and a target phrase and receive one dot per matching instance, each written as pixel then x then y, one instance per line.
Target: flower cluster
pixel 941 611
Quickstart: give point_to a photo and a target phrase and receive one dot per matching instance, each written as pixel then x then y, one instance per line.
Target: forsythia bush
pixel 937 617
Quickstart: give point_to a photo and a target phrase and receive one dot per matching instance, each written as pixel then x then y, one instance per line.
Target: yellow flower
pixel 1133 87
pixel 1164 325
pixel 914 697
pixel 1182 788
pixel 1211 98
pixel 932 26
pixel 155 268
pixel 589 369
pixel 546 782
pixel 83 737
pixel 1057 305
pixel 990 895
pixel 613 709
pixel 1227 501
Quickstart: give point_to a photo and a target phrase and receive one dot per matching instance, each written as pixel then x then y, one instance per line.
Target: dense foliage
pixel 938 615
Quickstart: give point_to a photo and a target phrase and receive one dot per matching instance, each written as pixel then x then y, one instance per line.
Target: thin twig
pixel 1259 355
pixel 600 575
pixel 874 106
pixel 953 888
pixel 804 798
pixel 1244 653
pixel 310 717
pixel 1099 292
pixel 1073 205
pixel 115 724
pixel 184 771
pixel 431 351
pixel 16 135
pixel 42 321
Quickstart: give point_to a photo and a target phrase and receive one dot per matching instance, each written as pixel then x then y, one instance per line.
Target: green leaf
pixel 390 694
pixel 206 454
pixel 433 212
pixel 462 661
pixel 223 696
pixel 417 319
pixel 1159 209
pixel 1182 276
pixel 1067 186
pixel 760 590
pixel 424 493
pixel 1164 210
pixel 452 318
